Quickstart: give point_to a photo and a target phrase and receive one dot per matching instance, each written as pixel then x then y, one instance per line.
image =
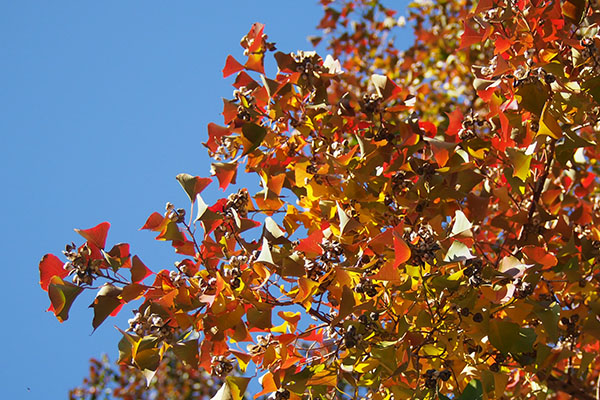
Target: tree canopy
pixel 426 224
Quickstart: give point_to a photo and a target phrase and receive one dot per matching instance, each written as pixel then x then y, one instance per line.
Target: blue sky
pixel 102 104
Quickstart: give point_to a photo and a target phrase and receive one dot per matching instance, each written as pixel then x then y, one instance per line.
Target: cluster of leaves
pixel 429 216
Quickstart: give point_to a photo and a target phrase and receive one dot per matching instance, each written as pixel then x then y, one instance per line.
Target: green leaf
pixel 62 294
pixel 549 317
pixel 259 318
pixel 106 301
pixel 473 391
pixel 532 97
pixel 187 351
pixel 509 337
pixel 192 185
pixel 253 136
pixel 147 355
pixel 593 87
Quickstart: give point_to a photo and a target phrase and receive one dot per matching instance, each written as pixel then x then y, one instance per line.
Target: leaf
pixel 469 36
pixel 62 294
pixel 384 86
pixel 549 317
pixel 225 173
pixel 520 162
pixel 106 301
pixel 252 136
pixel 146 355
pixel 509 337
pixel 265 253
pixel 311 245
pixel 231 66
pixel 401 251
pixel 573 9
pixel 268 385
pixel 155 222
pixel 548 124
pixel 512 267
pixel 458 252
pixel 139 271
pixel 193 185
pixel 51 266
pixel 187 351
pixel 455 122
pixel 473 391
pixel 215 135
pixel 461 223
pixel 272 232
pixel 96 235
pixel 171 232
pixel 539 255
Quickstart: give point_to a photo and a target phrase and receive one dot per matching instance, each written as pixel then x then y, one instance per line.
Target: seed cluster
pixel 432 376
pixel 83 269
pixel 221 366
pixel 239 202
pixel 473 271
pixel 148 323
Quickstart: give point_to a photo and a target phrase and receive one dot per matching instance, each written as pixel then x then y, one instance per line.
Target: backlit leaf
pixel 96 235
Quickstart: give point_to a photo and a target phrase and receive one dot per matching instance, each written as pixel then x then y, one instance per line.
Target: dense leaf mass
pixel 427 224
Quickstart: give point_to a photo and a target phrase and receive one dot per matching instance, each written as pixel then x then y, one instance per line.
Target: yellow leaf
pixel 548 124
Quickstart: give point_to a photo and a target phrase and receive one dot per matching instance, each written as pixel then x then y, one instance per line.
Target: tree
pixel 427 225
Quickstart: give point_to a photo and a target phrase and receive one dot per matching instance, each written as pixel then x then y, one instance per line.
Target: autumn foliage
pixel 426 227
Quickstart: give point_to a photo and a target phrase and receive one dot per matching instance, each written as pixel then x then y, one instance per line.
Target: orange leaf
pixel 401 251
pixel 231 66
pixel 268 384
pixel 96 235
pixel 540 255
pixel 256 63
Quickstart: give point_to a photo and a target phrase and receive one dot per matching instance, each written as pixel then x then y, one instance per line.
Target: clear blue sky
pixel 101 105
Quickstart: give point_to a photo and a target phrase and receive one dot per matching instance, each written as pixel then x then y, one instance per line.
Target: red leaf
pixel 455 124
pixel 139 271
pixel 469 36
pixel 225 173
pixel 215 134
pixel 50 266
pixel 243 79
pixel 96 235
pixel 155 222
pixel 502 44
pixel 428 127
pixel 310 245
pixel 231 66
